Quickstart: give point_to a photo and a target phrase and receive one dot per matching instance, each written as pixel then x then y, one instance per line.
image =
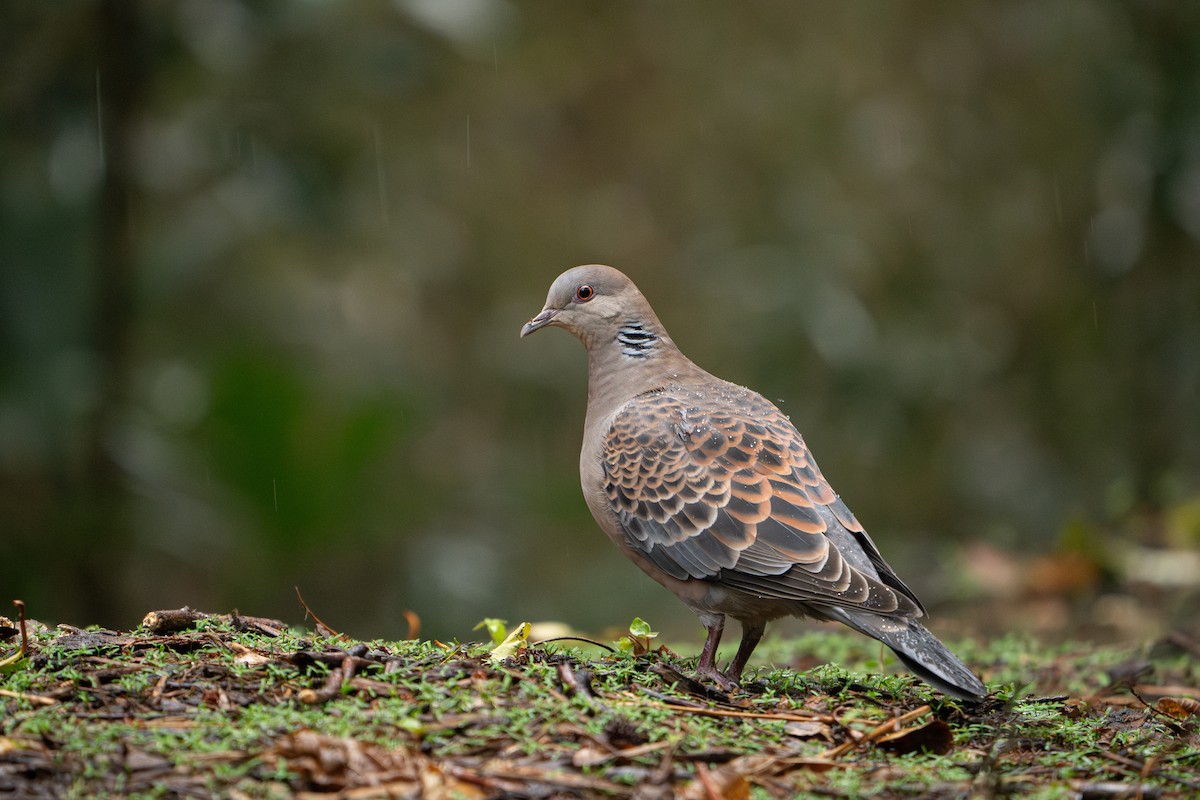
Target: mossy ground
pixel 217 711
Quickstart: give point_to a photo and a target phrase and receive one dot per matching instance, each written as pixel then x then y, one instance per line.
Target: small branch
pixel 167 621
pixel 1171 722
pixel 24 648
pixel 710 787
pixel 676 705
pixel 33 698
pixel 322 628
pixel 579 684
pixel 333 683
pixel 875 733
pixel 172 620
pixel 573 639
pixel 1145 769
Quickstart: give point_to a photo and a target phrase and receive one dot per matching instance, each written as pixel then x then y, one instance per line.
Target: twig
pixel 322 628
pixel 573 639
pixel 334 681
pixel 33 698
pixel 723 712
pixel 677 702
pixel 688 684
pixel 875 733
pixel 1170 721
pixel 264 625
pixel 1115 789
pixel 1145 769
pixel 24 648
pixel 519 676
pixel 498 768
pixel 706 781
pixel 172 620
pixel 579 684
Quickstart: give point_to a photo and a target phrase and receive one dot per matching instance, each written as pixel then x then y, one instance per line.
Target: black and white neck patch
pixel 635 340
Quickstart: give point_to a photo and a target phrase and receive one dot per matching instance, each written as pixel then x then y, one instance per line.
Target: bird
pixel 709 488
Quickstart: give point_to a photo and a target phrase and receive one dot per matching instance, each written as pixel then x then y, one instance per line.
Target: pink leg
pixel 751 634
pixel 707 667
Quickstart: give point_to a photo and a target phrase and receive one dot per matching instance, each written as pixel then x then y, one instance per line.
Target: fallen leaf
pixel 808 730
pixel 335 763
pixel 590 756
pixel 437 785
pixel 515 642
pixel 717 784
pixel 1179 707
pixel 250 658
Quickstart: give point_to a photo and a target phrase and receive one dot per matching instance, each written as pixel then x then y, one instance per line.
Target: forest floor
pixel 192 705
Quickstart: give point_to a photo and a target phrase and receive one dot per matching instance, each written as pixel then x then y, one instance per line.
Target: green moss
pixel 215 703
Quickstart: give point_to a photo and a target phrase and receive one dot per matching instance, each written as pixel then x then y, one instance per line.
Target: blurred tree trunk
pixel 105 530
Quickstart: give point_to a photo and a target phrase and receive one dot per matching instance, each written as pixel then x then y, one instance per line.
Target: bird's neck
pixel 636 357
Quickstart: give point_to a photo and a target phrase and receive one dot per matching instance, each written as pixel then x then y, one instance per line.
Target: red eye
pixel 584 293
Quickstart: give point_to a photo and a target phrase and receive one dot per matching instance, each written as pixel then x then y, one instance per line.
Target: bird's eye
pixel 584 293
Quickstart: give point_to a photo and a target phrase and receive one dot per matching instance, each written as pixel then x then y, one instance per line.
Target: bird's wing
pixel 720 486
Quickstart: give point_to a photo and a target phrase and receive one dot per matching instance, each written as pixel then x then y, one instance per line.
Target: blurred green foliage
pixel 264 264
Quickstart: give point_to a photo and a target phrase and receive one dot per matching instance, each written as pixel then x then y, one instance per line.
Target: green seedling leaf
pixel 640 628
pixel 15 662
pixel 496 628
pixel 638 640
pixel 514 643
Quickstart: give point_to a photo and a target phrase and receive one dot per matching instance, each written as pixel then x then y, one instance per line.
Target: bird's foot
pixel 723 681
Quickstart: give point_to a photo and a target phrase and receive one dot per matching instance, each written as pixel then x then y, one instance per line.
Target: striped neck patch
pixel 635 340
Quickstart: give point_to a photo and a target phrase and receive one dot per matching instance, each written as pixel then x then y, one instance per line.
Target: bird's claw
pixel 714 675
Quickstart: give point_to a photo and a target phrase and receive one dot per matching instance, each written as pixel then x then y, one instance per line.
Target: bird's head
pixel 590 302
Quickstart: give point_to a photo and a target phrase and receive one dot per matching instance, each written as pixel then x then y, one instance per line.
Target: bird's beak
pixel 544 318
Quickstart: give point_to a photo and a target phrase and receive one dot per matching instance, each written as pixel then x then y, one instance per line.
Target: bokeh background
pixel 264 265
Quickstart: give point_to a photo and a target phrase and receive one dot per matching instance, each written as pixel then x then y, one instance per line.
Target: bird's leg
pixel 751 634
pixel 707 667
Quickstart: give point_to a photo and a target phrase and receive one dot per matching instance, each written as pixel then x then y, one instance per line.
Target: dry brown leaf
pixel 437 785
pixel 1179 707
pixel 809 730
pixel 817 765
pixel 590 756
pixel 716 784
pixel 330 762
pixel 248 656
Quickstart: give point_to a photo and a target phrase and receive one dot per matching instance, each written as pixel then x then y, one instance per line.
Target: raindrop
pixel 384 210
pixel 99 119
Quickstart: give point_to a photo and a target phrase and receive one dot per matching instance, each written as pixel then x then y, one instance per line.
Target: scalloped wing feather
pixel 719 485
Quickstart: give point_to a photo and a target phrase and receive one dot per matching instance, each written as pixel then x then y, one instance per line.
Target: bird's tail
pixel 920 650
